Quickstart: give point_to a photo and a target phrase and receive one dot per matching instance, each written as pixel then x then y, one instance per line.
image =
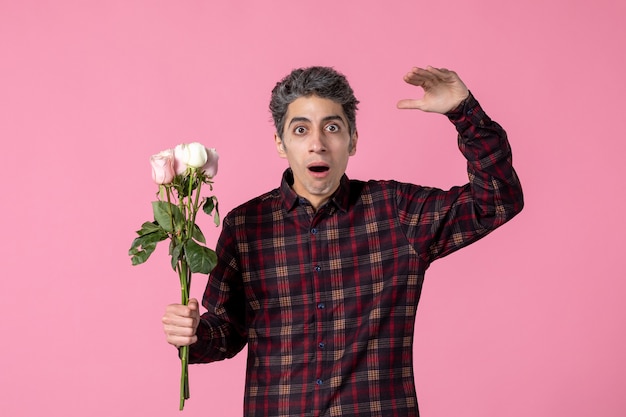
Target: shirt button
pixel 314 231
pixel 321 306
pixel 322 345
pixel 318 268
pixel 319 382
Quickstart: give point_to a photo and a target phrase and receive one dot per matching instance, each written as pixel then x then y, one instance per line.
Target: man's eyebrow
pixel 324 120
pixel 298 119
pixel 334 117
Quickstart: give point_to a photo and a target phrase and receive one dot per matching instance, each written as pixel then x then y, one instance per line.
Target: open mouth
pixel 318 168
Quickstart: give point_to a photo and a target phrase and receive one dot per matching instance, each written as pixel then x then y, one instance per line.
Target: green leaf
pixel 164 212
pixel 149 227
pixel 143 246
pixel 209 207
pixel 147 239
pixel 200 258
pixel 141 256
pixel 197 234
pixel 216 216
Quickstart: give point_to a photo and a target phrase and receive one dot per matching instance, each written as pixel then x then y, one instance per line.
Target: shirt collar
pixel 340 198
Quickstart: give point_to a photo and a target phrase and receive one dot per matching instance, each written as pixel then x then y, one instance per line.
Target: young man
pixel 321 277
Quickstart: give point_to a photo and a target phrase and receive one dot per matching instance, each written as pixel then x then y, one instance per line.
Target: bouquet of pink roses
pixel 180 174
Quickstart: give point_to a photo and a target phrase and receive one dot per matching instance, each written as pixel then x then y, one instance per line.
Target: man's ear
pixel 353 141
pixel 280 146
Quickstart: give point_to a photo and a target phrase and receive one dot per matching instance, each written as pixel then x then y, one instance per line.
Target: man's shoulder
pixel 373 191
pixel 360 187
pixel 361 193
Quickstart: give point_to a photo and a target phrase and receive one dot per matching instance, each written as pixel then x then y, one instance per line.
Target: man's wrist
pixel 459 108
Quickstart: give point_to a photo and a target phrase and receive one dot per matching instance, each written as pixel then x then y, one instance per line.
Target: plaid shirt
pixel 326 300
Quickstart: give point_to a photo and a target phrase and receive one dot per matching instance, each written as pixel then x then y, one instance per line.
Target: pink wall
pixel 89 89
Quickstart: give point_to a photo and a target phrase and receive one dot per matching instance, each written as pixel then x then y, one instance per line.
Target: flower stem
pixel 169 207
pixel 196 204
pixel 184 376
pixel 191 208
pixel 184 274
pixel 183 271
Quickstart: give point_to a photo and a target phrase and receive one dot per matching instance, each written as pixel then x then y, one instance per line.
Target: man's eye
pixel 299 130
pixel 332 128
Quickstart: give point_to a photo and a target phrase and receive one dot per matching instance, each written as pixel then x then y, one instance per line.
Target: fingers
pixel 418 77
pixel 428 77
pixel 180 323
pixel 443 74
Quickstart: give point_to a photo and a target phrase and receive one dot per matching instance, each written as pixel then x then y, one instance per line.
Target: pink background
pixel 530 321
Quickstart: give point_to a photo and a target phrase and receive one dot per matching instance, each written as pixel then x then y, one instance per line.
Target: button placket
pixel 317 259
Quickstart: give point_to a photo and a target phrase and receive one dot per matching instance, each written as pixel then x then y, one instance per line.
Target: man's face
pixel 317 143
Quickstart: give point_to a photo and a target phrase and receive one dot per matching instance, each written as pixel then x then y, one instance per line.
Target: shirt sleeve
pixel 440 222
pixel 221 332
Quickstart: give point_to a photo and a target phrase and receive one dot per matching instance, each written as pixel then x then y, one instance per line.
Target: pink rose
pixel 163 167
pixel 210 168
pixel 180 154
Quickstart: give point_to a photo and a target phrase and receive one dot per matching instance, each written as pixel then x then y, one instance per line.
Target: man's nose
pixel 317 142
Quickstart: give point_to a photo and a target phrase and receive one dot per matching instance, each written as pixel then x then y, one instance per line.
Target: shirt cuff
pixel 468 113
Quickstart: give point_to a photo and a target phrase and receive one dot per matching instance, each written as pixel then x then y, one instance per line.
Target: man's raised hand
pixel 443 90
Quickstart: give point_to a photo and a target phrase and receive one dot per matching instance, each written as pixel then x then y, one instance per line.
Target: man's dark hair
pixel 324 82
